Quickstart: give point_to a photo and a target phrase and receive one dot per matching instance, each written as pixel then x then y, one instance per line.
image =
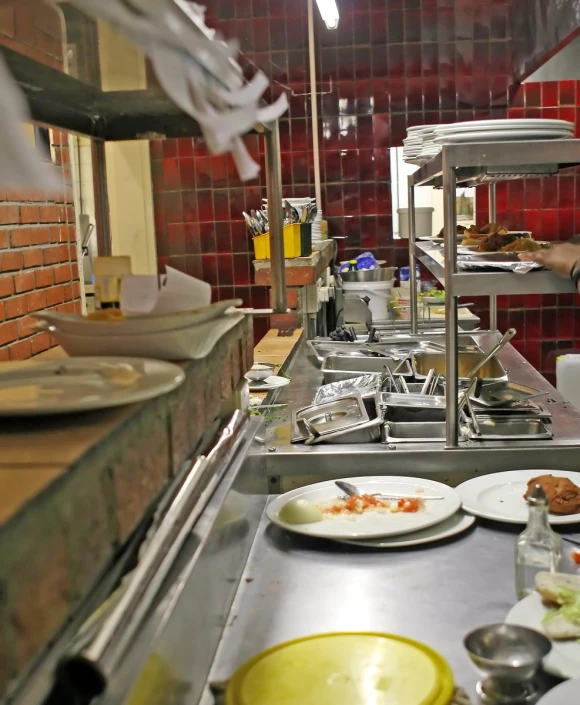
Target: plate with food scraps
pixel 268 384
pixel 456 524
pixel 320 510
pixel 64 386
pixel 563 660
pixel 500 496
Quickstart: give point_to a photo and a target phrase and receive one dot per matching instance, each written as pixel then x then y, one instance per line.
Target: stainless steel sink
pixel 339 367
pixel 491 371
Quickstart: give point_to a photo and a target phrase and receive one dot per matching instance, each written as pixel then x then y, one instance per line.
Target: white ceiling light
pixel 328 12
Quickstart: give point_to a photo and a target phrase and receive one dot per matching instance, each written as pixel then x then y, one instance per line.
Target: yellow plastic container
pixel 344 669
pixel 291 243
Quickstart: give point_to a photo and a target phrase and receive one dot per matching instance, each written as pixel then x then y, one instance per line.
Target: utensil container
pixel 492 371
pixel 292 243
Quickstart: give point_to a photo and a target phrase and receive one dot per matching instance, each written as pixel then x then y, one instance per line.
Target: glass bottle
pixel 538 548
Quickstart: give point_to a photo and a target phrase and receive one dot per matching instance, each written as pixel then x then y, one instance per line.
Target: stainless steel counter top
pixel 293 586
pixel 290 465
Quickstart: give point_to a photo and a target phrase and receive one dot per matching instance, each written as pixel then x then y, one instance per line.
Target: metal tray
pixel 365 385
pixel 336 368
pixel 413 414
pixel 423 432
pixel 338 415
pixel 492 371
pixel 513 429
pixel 524 409
pixel 505 393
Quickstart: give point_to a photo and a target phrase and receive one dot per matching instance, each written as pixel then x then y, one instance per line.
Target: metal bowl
pixel 382 274
pixel 260 371
pixel 507 653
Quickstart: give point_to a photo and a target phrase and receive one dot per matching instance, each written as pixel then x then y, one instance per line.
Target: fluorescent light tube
pixel 328 12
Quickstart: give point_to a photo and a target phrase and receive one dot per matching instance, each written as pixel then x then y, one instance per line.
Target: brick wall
pixel 38 255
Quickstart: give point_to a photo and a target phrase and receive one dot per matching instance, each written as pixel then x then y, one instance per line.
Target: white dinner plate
pixel 270 383
pixel 500 496
pixel 563 660
pixel 566 693
pixel 501 136
pixel 456 524
pixel 505 123
pixel 49 387
pixel 370 524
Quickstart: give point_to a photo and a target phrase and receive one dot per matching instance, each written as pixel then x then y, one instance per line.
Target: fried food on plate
pixel 563 495
pixel 522 244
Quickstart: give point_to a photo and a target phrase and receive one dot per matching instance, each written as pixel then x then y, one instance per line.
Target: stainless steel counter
pixel 293 586
pixel 290 465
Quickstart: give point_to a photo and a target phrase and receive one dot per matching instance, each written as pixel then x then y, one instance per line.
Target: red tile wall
pixel 38 255
pixel 547 324
pixel 389 65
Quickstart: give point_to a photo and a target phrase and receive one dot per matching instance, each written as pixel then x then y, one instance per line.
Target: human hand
pixel 560 258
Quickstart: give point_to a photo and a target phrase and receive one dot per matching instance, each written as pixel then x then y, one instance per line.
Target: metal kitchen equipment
pixel 507 336
pixel 469 164
pixel 339 367
pixel 502 428
pixel 380 274
pixel 418 432
pixel 356 313
pixel 330 417
pixel 492 370
pixel 368 432
pixel 509 657
pixel 505 393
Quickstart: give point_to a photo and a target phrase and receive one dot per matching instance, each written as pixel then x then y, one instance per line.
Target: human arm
pixel 562 259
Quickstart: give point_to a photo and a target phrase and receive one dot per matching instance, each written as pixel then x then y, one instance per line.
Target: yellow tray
pixel 346 668
pixel 292 244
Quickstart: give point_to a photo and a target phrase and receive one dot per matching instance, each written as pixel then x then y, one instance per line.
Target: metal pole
pixel 102 215
pixel 451 338
pixel 492 297
pixel 314 106
pixel 412 261
pixel 274 191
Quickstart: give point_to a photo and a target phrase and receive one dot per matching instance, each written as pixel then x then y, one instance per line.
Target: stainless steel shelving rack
pixel 472 165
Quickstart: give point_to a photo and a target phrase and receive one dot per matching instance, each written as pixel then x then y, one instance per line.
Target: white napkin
pixel 140 293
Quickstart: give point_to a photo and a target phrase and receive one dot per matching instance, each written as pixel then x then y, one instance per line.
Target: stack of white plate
pixel 419 145
pixel 186 335
pixel 503 131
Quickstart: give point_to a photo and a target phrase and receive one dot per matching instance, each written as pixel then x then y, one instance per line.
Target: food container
pixel 292 243
pixel 338 415
pixel 505 393
pixel 366 385
pixel 502 428
pixel 423 432
pixel 492 371
pixel 369 432
pixel 340 367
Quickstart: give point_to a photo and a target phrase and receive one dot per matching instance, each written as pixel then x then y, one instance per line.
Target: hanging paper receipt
pixel 142 294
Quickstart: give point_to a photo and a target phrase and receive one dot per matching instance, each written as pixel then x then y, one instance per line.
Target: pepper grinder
pixel 538 548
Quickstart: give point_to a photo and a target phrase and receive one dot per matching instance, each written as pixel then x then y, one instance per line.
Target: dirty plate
pixel 456 524
pixel 500 496
pixel 370 524
pixel 49 387
pixel 563 660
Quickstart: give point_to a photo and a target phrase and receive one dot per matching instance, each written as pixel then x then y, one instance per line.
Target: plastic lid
pixel 344 669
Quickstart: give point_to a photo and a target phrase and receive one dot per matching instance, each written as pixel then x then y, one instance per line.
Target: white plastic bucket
pixel 568 378
pixel 423 222
pixel 379 293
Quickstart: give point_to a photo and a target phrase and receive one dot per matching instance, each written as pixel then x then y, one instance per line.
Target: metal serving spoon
pixel 351 491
